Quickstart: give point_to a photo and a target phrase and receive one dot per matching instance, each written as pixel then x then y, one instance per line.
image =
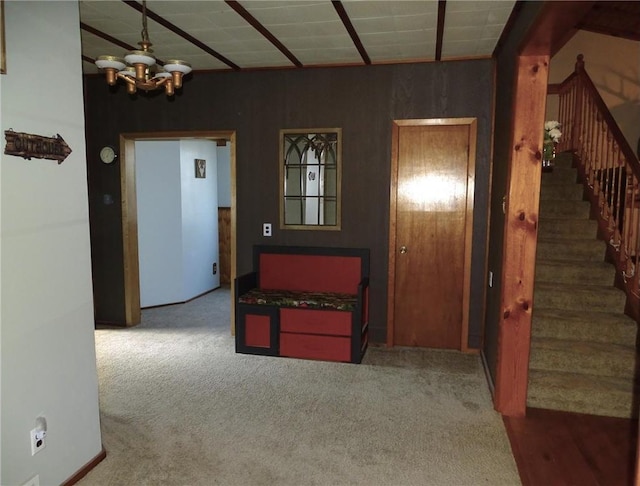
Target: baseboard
pixel 86 468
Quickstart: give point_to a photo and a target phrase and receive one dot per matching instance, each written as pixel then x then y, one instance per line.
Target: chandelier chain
pixel 145 32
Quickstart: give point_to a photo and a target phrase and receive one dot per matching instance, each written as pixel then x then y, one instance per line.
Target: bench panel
pixel 257 331
pixel 306 346
pixel 314 273
pixel 310 321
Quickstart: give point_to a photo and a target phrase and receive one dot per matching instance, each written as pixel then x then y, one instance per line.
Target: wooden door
pixel 430 249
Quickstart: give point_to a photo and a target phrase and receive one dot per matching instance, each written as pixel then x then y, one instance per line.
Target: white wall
pixel 613 64
pixel 199 218
pixel 224 176
pixel 159 219
pixel 47 356
pixel 1 125
pixel 177 221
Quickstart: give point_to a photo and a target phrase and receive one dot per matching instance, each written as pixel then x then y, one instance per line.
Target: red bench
pixel 304 302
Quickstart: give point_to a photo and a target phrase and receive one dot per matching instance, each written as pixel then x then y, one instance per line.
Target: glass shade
pixel 177 65
pixel 140 57
pixel 110 62
pixel 128 71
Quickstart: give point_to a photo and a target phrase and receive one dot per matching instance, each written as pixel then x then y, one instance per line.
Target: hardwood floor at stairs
pixel 554 448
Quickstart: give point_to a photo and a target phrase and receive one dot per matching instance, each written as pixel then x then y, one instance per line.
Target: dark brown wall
pixel 363 101
pixel 505 83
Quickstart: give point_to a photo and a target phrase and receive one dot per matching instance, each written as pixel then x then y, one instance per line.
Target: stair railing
pixel 611 173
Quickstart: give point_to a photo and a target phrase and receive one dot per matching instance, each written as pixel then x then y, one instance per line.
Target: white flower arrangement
pixel 552 136
pixel 552 131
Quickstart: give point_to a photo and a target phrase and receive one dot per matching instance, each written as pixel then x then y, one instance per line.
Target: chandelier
pixel 138 69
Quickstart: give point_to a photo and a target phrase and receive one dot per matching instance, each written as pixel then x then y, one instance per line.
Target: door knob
pixel 403 249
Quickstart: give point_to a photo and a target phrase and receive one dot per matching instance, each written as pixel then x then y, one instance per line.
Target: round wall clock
pixel 107 154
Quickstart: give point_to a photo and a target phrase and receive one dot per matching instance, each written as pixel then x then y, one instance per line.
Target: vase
pixel 548 155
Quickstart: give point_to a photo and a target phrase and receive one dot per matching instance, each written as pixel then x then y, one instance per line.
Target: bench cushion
pixel 312 300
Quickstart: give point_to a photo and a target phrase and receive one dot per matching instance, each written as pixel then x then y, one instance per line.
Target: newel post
pixel 579 100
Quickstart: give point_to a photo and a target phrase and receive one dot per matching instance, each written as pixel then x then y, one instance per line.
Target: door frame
pixel 130 210
pixel 393 191
pixel 553 27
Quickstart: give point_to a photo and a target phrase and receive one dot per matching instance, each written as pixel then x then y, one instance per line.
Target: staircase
pixel 583 347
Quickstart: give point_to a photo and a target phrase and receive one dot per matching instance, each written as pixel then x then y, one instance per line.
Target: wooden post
pixel 520 235
pixel 579 99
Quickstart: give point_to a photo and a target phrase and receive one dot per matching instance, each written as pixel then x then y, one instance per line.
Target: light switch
pixel 266 229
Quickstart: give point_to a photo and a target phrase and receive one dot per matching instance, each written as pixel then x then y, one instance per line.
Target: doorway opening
pixel 129 211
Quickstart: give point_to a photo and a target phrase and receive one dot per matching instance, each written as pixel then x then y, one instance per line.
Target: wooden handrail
pixel 610 171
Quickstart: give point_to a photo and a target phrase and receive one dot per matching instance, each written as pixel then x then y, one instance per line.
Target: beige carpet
pixel 179 407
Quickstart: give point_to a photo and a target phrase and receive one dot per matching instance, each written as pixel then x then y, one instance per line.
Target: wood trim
pixel 234 226
pixel 636 478
pixel 442 10
pixel 281 174
pixel 393 228
pixel 391 277
pixel 346 21
pixel 553 89
pixel 108 38
pixel 82 472
pixel 520 236
pixel 185 35
pixel 468 239
pixel 554 27
pixel 129 211
pixel 129 232
pixel 253 22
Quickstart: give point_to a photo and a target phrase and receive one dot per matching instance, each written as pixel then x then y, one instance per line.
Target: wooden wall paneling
pixel 256 105
pixel 224 244
pixel 130 232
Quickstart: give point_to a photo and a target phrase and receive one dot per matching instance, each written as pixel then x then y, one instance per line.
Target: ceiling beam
pixel 251 20
pixel 113 40
pixel 177 30
pixel 553 27
pixel 342 13
pixel 442 9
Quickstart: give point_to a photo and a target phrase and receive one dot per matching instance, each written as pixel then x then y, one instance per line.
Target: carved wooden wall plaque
pixel 29 146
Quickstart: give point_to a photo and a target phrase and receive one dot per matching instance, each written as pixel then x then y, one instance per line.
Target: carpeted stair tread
pixel 563 159
pixel 600 359
pixel 561 192
pixel 566 271
pixel 587 298
pixel 560 175
pixel 565 209
pixel 583 356
pixel 577 249
pixel 605 327
pixel 577 392
pixel 567 228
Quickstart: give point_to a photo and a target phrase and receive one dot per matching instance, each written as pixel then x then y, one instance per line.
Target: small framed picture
pixel 201 168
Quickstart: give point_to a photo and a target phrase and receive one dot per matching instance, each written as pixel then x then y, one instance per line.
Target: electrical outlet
pixel 34 481
pixel 266 229
pixel 37 441
pixel 215 268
